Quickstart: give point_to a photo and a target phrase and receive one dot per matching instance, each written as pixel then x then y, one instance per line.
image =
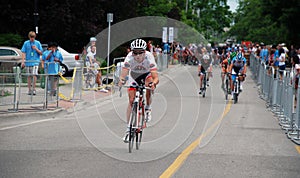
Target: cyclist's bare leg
pixel 148 92
pixel 131 95
pixel 201 80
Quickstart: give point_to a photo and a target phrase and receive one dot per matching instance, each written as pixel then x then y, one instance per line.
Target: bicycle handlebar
pixel 136 87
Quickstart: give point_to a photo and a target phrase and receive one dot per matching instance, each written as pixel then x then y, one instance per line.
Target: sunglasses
pixel 137 53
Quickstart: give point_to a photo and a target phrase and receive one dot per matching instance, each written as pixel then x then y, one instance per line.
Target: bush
pixel 9 39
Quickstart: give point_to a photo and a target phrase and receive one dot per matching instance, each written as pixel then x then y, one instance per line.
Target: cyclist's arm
pixel 210 68
pixel 229 68
pixel 245 66
pixel 154 75
pixel 245 69
pixel 124 73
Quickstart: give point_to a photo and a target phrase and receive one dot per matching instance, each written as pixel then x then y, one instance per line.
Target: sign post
pixel 109 20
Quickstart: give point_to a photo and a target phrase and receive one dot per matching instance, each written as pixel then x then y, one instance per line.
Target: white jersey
pixel 146 66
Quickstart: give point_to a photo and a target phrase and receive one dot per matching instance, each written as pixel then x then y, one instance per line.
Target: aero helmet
pixel 93 39
pixel 138 44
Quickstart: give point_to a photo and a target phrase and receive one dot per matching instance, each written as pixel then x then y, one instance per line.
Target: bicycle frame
pixel 236 87
pixel 137 118
pixel 227 85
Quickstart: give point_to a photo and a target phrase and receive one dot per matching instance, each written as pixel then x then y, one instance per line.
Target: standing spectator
pixel 281 64
pixel 92 64
pixel 296 82
pixel 166 48
pixel 186 54
pixel 264 53
pixel 31 49
pixel 150 46
pixel 92 43
pixel 293 55
pixel 276 59
pixel 52 59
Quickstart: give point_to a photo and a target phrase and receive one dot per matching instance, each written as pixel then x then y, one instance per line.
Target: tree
pixel 268 21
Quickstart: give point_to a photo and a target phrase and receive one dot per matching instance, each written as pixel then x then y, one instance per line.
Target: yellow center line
pixel 183 156
pixel 298 149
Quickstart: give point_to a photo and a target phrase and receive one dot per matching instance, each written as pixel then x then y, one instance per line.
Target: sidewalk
pixel 63 105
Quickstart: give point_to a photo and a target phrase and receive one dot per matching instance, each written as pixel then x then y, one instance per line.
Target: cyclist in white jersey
pixel 140 66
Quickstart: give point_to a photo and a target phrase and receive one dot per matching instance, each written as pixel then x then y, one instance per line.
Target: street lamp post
pixel 109 20
pixel 36 16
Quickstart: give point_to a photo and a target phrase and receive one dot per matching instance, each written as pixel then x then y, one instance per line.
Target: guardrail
pixel 280 95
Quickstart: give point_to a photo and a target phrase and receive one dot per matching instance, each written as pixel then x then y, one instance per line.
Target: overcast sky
pixel 233 4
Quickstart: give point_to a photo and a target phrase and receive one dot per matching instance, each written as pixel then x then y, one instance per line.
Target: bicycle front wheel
pixel 132 129
pixel 139 133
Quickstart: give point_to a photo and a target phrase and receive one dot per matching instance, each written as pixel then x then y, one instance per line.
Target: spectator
pixel 296 82
pixel 281 63
pixel 293 56
pixel 31 49
pixel 52 59
pixel 186 54
pixel 166 48
pixel 150 46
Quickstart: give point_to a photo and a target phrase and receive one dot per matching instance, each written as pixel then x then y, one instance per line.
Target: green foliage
pixel 9 39
pixel 268 21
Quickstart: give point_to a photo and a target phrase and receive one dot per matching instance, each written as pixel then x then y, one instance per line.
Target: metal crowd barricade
pixel 278 92
pixel 7 89
pixel 162 61
pixel 14 87
pixel 294 133
pixel 42 96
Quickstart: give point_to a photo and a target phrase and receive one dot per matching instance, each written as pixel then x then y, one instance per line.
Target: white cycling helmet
pixel 138 44
pixel 93 39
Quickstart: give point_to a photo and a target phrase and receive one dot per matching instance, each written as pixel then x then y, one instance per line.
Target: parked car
pixel 71 60
pixel 9 57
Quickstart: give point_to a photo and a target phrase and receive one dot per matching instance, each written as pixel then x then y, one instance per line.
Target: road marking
pixel 183 156
pixel 298 149
pixel 25 124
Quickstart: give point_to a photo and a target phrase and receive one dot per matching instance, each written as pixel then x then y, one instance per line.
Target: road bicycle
pixel 236 87
pixel 204 83
pixel 137 121
pixel 90 78
pixel 226 86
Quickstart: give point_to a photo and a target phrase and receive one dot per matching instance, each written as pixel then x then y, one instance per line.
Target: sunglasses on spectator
pixel 137 53
pixel 32 36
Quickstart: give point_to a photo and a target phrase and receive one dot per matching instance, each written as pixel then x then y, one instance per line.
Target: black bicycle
pixel 204 83
pixel 137 121
pixel 236 87
pixel 226 86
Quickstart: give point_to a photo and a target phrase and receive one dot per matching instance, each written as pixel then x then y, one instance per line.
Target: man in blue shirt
pixel 31 49
pixel 51 60
pixel 264 54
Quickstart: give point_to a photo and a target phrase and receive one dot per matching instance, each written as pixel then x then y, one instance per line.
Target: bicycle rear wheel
pixel 132 129
pixel 235 94
pixel 226 89
pixel 204 86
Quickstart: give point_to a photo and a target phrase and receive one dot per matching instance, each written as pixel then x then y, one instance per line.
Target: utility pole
pixel 36 16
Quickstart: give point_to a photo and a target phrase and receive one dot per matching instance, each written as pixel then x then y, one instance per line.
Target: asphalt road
pixel 189 136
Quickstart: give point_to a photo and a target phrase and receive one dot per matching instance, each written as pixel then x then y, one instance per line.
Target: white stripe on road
pixel 26 124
